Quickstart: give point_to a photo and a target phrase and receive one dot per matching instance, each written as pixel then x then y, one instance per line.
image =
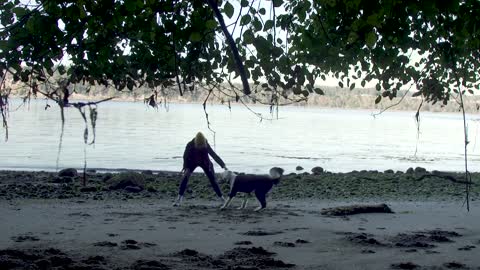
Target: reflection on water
pixel 132 136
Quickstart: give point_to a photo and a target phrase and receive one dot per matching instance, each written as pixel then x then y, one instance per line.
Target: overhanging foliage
pixel 288 44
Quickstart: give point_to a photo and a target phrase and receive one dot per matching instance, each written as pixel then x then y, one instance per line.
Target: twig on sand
pixel 356 209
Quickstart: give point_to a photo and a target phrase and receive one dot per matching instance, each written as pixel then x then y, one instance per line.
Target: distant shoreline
pixel 334 97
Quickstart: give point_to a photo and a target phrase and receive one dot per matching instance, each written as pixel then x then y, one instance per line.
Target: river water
pixel 133 136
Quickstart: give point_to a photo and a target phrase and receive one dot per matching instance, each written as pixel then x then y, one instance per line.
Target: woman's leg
pixel 210 172
pixel 183 186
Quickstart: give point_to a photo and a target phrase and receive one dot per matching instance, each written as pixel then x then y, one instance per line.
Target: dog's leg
pixel 261 198
pixel 227 202
pixel 244 203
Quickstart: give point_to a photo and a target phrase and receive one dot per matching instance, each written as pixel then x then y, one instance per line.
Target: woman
pixel 195 155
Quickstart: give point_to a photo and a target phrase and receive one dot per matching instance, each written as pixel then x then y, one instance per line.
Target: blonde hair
pixel 200 141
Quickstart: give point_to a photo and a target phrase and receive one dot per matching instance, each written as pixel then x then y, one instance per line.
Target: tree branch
pixel 468 178
pixel 231 43
pixel 393 105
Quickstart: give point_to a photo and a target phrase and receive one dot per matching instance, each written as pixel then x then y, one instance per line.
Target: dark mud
pixel 412 241
pixel 237 258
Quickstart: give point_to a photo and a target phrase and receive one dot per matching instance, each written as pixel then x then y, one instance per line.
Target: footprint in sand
pixel 301 241
pixel 246 243
pixel 25 238
pixel 467 248
pixel 261 233
pixel 455 265
pixel 105 244
pixel 283 244
pixel 407 265
pixel 130 244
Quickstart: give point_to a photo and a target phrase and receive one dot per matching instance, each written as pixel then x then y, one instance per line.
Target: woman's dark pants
pixel 209 171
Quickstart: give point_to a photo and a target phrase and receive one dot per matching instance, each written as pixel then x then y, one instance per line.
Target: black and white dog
pixel 260 184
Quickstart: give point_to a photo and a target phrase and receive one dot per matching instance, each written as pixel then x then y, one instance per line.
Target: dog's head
pixel 228 175
pixel 276 172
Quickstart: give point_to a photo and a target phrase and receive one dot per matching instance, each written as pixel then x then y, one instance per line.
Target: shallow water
pixel 132 136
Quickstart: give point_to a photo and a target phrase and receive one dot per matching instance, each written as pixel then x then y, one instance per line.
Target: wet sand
pixel 105 229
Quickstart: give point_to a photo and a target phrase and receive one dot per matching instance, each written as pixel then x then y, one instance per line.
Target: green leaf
pixel 340 84
pixel 363 83
pixel 352 86
pixel 6 16
pixel 319 91
pixel 352 37
pixel 378 87
pixel 277 51
pixel 262 45
pixel 371 39
pixel 3 45
pixel 19 11
pixel 228 9
pixel 373 20
pixel 244 3
pixel 262 11
pixel 268 25
pixel 248 37
pixel 131 5
pixel 49 71
pixel 277 3
pixel 305 93
pixel 332 3
pixel 195 37
pixel 257 25
pixel 246 19
pixel 130 85
pixel 297 90
pixel 378 99
pixel 211 24
pixel 61 69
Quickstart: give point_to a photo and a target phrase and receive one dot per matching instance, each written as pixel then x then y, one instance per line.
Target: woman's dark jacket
pixel 193 157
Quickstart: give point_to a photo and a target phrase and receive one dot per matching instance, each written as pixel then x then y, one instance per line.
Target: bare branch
pixel 81 104
pixel 393 105
pixel 236 56
pixel 417 121
pixel 4 105
pixel 468 178
pixel 206 115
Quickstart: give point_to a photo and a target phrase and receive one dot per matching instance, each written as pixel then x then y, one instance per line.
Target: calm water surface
pixel 132 136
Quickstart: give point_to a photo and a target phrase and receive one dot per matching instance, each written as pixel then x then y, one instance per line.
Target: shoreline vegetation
pixel 334 97
pixel 414 184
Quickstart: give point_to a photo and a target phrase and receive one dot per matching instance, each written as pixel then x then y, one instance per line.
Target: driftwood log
pixel 445 176
pixel 356 209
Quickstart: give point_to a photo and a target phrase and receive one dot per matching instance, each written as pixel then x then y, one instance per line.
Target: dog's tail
pixel 275 174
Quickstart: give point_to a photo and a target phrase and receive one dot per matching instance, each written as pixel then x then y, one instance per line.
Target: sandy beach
pixel 52 222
